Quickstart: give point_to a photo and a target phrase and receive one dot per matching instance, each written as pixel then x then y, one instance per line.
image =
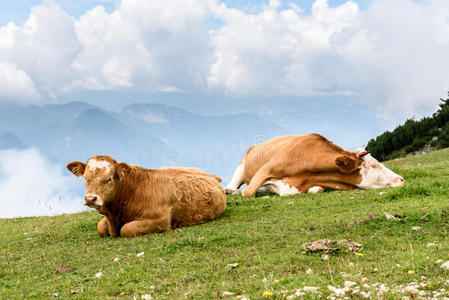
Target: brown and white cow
pixel 138 201
pixel 296 164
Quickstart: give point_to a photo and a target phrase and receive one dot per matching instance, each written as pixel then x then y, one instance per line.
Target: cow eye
pixel 109 180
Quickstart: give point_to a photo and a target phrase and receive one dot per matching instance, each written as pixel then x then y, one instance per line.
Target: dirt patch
pixel 64 270
pixel 359 222
pixel 328 246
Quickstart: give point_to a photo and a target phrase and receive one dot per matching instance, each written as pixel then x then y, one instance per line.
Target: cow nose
pixel 399 180
pixel 88 199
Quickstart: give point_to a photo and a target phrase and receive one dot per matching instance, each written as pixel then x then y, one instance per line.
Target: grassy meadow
pixel 253 251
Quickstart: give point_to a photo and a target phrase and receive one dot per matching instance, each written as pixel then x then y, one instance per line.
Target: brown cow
pixel 138 201
pixel 295 164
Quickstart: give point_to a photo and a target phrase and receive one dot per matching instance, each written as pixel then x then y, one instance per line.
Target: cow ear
pixel 346 164
pixel 77 168
pixel 123 170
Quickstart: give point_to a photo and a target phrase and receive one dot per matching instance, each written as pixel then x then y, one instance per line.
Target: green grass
pixel 263 235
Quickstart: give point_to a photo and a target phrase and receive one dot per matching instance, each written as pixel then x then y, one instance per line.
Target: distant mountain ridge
pixel 154 135
pixel 151 135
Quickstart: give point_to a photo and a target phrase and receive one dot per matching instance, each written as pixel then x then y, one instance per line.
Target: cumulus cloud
pixel 42 48
pixel 16 85
pixel 392 60
pixel 389 59
pixel 146 45
pixel 32 186
pixel 279 53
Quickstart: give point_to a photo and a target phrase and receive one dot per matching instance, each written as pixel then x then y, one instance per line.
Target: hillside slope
pixel 42 257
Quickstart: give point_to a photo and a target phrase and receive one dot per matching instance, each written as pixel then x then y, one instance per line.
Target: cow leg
pixel 281 188
pixel 315 190
pixel 258 179
pixel 236 180
pixel 140 227
pixel 103 227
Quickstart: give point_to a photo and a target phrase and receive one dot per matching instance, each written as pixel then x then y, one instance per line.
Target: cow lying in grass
pixel 294 164
pixel 138 201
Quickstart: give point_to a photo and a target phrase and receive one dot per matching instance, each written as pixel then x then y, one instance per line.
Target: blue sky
pixel 18 11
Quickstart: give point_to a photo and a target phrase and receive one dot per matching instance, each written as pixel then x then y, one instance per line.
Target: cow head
pixel 374 174
pixel 102 175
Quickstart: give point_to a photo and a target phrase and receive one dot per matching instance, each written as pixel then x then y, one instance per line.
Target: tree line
pixel 413 135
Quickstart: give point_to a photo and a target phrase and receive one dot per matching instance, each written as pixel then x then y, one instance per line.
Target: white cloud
pixel 144 45
pixel 43 47
pixel 16 85
pixel 392 60
pixel 397 55
pixel 31 186
pixel 279 52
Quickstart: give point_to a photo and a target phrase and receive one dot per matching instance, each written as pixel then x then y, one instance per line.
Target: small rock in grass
pixel 383 289
pixel 56 295
pixel 152 287
pixel 146 297
pixel 439 261
pixel 227 294
pixel 298 294
pixel 140 254
pixel 422 294
pixel 116 259
pixel 98 275
pixel 28 239
pixel 430 244
pixel 233 265
pixel 73 292
pixel 381 193
pixel 445 265
pixel 309 271
pixel 364 280
pixel 349 283
pixel 416 228
pixel 310 289
pixel 389 216
pixel 411 289
pixel 337 291
pixel 365 295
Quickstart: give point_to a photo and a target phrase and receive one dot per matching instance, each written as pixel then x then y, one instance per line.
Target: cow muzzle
pixel 92 201
pixel 398 181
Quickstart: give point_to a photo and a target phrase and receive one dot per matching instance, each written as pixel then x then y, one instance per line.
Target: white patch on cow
pixel 375 175
pixel 237 177
pixel 99 164
pixel 281 188
pixel 315 189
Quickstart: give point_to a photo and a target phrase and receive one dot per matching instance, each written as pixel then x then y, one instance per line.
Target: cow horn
pixel 362 154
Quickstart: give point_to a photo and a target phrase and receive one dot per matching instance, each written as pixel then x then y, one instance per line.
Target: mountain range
pixel 154 135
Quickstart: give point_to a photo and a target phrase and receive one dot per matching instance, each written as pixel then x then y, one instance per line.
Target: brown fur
pixel 302 161
pixel 142 200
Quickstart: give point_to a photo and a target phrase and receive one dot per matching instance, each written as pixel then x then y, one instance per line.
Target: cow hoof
pixel 233 192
